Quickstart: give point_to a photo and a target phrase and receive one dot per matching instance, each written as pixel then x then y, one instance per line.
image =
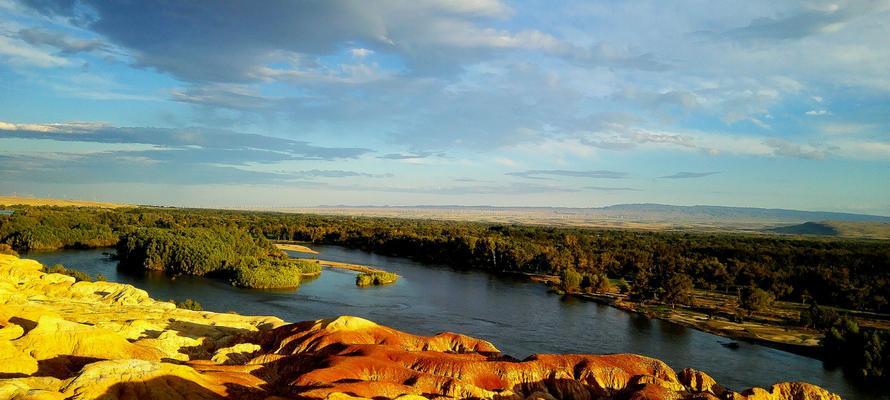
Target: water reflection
pixel 640 323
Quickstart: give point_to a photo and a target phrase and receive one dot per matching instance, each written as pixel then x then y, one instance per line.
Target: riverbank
pixel 715 313
pixel 85 340
pixel 773 328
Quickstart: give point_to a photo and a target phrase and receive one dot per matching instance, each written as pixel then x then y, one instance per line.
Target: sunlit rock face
pixel 65 340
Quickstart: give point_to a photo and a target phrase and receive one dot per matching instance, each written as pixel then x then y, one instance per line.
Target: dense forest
pixel 657 266
pixel 232 254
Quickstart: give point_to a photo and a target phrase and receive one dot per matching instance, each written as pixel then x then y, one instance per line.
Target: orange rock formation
pixel 66 340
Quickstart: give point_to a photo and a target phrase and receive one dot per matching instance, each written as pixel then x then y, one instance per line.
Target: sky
pixel 465 102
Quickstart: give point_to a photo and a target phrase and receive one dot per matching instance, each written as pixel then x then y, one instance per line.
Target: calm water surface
pixel 518 316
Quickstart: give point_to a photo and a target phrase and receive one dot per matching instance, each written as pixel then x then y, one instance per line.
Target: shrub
pixel 307 267
pixel 375 278
pixel 77 275
pixel 599 283
pixel 819 317
pixel 189 304
pixel 623 286
pixel 7 249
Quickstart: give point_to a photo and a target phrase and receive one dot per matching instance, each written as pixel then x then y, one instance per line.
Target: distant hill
pixel 860 229
pixel 647 212
pixel 809 228
pixel 634 216
pixel 739 213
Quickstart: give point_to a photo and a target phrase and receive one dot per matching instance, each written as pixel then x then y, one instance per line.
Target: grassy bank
pixel 779 325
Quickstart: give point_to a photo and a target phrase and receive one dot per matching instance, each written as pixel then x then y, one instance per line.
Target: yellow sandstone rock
pixel 240 353
pixel 140 379
pixel 698 381
pixel 36 388
pixel 14 361
pixel 53 337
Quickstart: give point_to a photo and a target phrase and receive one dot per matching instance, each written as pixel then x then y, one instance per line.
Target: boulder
pixel 697 381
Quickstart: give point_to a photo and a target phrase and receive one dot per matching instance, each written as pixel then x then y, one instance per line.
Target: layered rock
pixel 65 340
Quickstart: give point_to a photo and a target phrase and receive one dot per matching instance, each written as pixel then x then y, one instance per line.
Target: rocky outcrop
pixel 65 340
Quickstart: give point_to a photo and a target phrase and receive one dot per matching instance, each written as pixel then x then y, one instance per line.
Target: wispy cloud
pixel 612 189
pixel 458 190
pixel 409 156
pixel 800 23
pixel 229 146
pixel 546 174
pixel 58 40
pixel 183 156
pixel 785 148
pixel 327 173
pixel 688 175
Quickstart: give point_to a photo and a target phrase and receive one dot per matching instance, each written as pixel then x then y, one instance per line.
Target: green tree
pixel 623 286
pixel 678 290
pixel 754 299
pixel 570 280
pixel 599 283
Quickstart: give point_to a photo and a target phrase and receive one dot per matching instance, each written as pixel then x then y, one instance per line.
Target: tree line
pixel 844 273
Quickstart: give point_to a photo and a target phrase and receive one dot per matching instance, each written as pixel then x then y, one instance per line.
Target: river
pixel 518 316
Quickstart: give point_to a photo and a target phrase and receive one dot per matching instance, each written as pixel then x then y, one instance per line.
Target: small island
pixel 375 278
pixel 368 276
pixel 234 255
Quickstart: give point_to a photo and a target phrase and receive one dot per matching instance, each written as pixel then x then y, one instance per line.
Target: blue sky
pixel 576 103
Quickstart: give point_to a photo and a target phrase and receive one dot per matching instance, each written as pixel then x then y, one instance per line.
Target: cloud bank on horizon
pixel 296 103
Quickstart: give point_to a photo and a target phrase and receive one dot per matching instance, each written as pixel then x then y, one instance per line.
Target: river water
pixel 518 316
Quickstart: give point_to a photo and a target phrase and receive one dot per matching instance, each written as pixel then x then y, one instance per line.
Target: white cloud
pixel 62 127
pixel 20 53
pixel 848 128
pixel 506 161
pixel 863 150
pixel 817 112
pixel 360 52
pixel 489 8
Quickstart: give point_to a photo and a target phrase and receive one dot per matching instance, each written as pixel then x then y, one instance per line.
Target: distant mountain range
pixel 659 212
pixel 642 216
pixel 772 214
